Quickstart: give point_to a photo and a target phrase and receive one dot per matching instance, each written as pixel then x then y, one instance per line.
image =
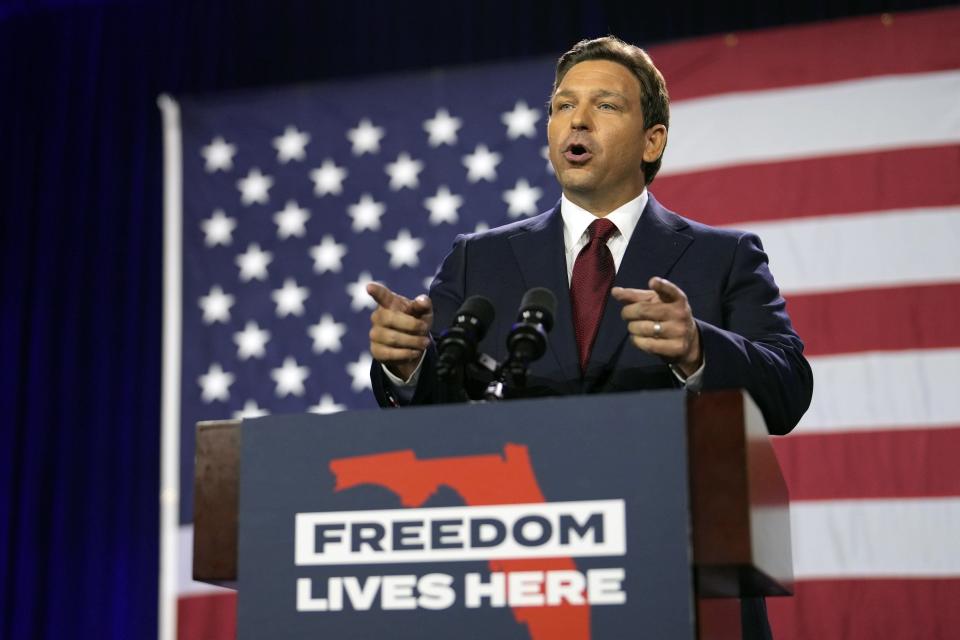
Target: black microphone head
pixel 480 308
pixel 458 344
pixel 541 302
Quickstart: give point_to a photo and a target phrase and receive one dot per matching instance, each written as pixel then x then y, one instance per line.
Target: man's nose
pixel 581 119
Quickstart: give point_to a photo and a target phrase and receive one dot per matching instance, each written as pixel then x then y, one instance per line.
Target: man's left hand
pixel 660 321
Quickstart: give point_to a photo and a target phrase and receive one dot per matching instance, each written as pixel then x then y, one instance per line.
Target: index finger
pixel 628 296
pixel 386 298
pixel 667 291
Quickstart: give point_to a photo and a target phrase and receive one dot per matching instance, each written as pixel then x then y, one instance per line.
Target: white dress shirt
pixel 576 221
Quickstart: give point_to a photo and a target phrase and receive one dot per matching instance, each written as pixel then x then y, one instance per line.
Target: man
pixel 645 298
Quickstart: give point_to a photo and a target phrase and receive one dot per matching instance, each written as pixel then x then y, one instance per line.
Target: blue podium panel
pixel 541 519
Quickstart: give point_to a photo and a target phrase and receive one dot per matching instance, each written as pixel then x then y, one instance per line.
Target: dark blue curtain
pixel 81 230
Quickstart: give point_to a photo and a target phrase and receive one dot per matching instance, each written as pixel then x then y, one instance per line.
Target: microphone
pixel 527 340
pixel 458 344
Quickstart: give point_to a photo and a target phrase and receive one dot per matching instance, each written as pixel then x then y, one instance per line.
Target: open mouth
pixel 577 153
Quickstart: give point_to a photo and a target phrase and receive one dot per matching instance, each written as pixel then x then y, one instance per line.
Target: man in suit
pixel 645 298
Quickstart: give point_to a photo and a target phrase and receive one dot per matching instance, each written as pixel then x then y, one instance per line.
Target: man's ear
pixel 655 140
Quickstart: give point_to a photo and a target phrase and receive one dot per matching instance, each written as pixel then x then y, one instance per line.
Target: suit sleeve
pixel 757 348
pixel 446 294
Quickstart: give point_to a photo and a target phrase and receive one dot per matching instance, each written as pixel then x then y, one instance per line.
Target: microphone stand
pixel 510 378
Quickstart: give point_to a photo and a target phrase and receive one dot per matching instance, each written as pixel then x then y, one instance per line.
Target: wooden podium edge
pixel 216 491
pixel 739 500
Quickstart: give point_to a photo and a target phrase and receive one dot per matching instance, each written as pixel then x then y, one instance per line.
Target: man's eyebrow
pixel 606 93
pixel 599 93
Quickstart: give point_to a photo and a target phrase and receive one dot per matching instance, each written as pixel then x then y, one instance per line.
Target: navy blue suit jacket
pixel 746 335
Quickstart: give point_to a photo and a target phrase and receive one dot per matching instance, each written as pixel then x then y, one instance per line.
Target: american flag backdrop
pixel 838 143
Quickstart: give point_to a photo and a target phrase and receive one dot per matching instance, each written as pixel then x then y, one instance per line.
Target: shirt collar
pixel 576 219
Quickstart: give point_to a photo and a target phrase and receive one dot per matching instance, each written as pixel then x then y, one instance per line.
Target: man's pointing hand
pixel 660 321
pixel 399 329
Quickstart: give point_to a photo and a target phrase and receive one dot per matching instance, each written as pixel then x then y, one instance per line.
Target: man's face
pixel 596 136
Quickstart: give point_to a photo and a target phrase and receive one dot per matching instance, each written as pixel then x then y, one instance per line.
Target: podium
pixel 633 515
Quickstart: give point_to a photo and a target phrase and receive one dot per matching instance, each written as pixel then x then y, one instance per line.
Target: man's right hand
pixel 399 329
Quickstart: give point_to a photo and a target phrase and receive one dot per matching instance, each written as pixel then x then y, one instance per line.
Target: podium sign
pixel 558 518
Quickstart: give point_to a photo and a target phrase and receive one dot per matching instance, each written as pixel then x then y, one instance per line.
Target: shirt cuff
pixel 410 382
pixel 693 382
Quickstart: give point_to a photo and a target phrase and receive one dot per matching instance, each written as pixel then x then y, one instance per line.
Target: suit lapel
pixel 655 246
pixel 539 252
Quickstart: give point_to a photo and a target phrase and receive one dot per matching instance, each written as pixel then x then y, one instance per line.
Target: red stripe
pixel 901 178
pixel 868 610
pixel 916 317
pixel 210 616
pixel 871 464
pixel 813 54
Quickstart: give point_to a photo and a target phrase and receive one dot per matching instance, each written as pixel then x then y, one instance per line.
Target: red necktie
pixel 593 274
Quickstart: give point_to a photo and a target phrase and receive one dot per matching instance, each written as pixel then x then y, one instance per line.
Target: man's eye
pixel 607 106
pixel 564 106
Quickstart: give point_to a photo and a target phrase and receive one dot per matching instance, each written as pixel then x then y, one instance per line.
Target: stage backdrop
pixel 838 143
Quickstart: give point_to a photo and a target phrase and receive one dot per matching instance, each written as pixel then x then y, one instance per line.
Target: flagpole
pixel 170 386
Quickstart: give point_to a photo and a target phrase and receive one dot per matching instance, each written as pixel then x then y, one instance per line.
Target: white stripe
pixel 170 390
pixel 861 251
pixel 884 390
pixel 186 585
pixel 876 538
pixel 869 114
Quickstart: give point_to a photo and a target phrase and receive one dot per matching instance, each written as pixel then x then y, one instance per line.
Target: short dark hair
pixel 654 99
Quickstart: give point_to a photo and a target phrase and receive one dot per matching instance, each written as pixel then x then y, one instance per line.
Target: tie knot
pixel 601 229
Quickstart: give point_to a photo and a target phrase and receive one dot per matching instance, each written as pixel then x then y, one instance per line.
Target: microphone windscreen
pixel 480 308
pixel 540 299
